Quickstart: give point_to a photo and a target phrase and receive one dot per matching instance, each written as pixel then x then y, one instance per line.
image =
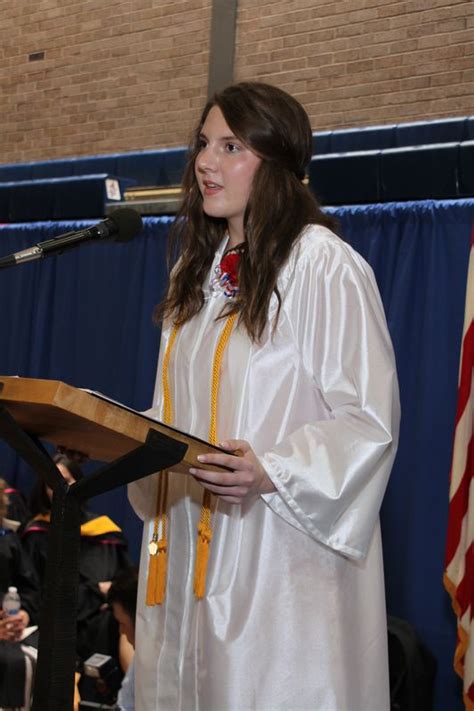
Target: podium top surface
pixel 86 422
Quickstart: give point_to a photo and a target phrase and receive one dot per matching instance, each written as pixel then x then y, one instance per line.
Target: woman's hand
pixel 245 480
pixel 104 587
pixel 24 617
pixel 12 626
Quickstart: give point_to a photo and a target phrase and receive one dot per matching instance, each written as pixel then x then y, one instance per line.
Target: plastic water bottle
pixel 11 602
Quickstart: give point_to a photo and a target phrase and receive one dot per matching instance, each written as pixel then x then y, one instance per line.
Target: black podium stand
pixel 54 684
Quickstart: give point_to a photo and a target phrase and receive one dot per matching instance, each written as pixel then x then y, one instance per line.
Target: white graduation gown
pixel 294 616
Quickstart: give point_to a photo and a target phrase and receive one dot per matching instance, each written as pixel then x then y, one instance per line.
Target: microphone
pixel 120 226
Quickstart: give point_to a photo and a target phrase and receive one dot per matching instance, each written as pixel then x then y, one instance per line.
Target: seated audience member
pixel 103 555
pixel 17 509
pixel 16 659
pixel 122 597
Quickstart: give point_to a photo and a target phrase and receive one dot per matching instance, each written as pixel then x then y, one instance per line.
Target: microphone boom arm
pixel 43 249
pixel 121 225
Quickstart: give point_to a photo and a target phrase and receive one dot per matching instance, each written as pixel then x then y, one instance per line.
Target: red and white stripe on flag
pixel 459 564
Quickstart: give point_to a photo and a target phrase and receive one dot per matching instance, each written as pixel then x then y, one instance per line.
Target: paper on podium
pixel 87 422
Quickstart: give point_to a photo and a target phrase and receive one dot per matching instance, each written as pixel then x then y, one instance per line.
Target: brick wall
pixel 119 76
pixel 360 62
pixel 116 76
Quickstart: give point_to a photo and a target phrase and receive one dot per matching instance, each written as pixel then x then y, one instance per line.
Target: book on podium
pixel 87 421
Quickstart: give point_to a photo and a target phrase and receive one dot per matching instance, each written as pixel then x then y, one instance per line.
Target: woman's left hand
pixel 245 480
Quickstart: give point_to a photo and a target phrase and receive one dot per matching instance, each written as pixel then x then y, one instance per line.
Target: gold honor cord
pixel 158 546
pixel 205 523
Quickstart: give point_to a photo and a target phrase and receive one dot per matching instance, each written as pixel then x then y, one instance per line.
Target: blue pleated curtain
pixel 86 318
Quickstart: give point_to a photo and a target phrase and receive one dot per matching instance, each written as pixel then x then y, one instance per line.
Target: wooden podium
pixel 133 445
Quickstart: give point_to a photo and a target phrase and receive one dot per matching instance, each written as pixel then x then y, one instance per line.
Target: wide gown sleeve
pixel 331 474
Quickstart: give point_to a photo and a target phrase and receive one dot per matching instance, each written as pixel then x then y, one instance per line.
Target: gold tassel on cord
pixel 203 547
pixel 157 568
pixel 151 582
pixel 158 547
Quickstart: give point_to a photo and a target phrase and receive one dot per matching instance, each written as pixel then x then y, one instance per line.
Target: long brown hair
pixel 273 125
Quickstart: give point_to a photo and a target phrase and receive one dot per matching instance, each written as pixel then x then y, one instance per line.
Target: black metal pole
pixel 54 679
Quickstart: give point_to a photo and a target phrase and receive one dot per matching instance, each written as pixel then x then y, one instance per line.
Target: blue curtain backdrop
pixel 86 318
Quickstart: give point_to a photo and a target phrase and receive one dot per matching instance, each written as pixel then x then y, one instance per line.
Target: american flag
pixel 459 564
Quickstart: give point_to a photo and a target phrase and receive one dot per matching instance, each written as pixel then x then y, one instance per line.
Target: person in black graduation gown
pixel 17 508
pixel 16 569
pixel 103 555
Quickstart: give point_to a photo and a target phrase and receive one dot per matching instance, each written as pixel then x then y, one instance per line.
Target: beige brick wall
pixel 360 62
pixel 116 76
pixel 119 76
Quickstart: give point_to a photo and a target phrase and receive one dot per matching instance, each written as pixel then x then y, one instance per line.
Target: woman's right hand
pixel 11 626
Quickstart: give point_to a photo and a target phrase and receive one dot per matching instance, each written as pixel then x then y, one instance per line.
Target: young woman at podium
pixel 262 583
